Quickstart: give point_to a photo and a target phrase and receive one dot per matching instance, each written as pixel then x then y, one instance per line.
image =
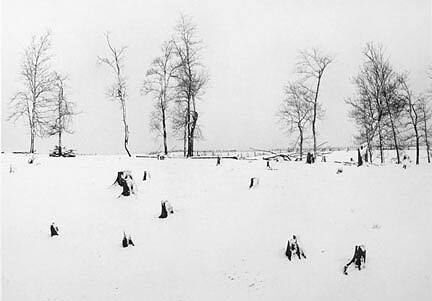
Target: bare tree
pixel 33 101
pixel 413 110
pixel 63 110
pixel 117 91
pixel 386 83
pixel 425 111
pixel 296 110
pixel 191 76
pixel 365 118
pixel 158 83
pixel 378 107
pixel 312 65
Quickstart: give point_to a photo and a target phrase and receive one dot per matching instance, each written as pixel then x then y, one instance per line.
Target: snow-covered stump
pixel 146 175
pixel 166 208
pixel 54 230
pixel 358 259
pixel 293 249
pixel 218 161
pixel 253 182
pixel 31 160
pixel 130 242
pixel 359 158
pixel 339 171
pixel 11 169
pixel 126 242
pixel 309 158
pixel 125 180
pixel 268 164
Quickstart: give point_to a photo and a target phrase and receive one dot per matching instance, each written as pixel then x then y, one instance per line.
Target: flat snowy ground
pixel 224 242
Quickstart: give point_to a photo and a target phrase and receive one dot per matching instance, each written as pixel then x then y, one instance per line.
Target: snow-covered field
pixel 224 242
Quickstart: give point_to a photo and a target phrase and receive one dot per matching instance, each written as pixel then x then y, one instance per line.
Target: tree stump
pixel 309 158
pixel 125 180
pixel 125 242
pixel 339 171
pixel 358 258
pixel 146 175
pixel 54 230
pixel 253 182
pixel 293 249
pixel 164 213
pixel 130 242
pixel 218 161
pixel 359 158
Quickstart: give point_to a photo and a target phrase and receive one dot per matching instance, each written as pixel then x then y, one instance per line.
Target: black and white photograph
pixel 186 150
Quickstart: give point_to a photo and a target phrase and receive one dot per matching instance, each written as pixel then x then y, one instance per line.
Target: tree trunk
pixel 426 137
pixel 301 143
pixel 164 132
pixel 417 147
pixel 185 141
pixel 380 138
pixel 192 131
pixel 315 116
pixel 393 129
pixel 32 138
pixel 60 144
pixel 126 129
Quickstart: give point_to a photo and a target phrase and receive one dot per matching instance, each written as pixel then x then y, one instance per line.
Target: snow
pixel 224 241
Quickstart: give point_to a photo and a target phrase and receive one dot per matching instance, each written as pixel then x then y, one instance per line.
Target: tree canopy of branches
pixel 117 91
pixel 158 83
pixel 296 110
pixel 63 110
pixel 311 66
pixel 191 78
pixel 378 106
pixel 33 101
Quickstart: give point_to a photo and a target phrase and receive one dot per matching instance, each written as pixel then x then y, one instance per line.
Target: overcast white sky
pixel 251 50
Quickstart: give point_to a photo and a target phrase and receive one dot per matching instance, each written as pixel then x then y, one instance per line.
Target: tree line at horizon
pixel 387 113
pixel 384 108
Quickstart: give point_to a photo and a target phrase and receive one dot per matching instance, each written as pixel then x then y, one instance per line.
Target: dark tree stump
pixel 293 248
pixel 125 242
pixel 54 230
pixel 358 258
pixel 268 165
pixel 130 242
pixel 339 171
pixel 309 158
pixel 218 161
pixel 288 251
pixel 359 158
pixel 125 180
pixel 164 213
pixel 146 175
pixel 253 182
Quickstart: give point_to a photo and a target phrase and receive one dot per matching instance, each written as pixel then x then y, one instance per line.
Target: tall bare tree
pixel 312 65
pixel 191 76
pixel 117 91
pixel 378 99
pixel 425 111
pixel 158 83
pixel 364 116
pixel 296 110
pixel 413 110
pixel 33 101
pixel 63 110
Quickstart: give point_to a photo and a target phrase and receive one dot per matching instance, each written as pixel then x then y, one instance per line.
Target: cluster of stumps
pixel 125 180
